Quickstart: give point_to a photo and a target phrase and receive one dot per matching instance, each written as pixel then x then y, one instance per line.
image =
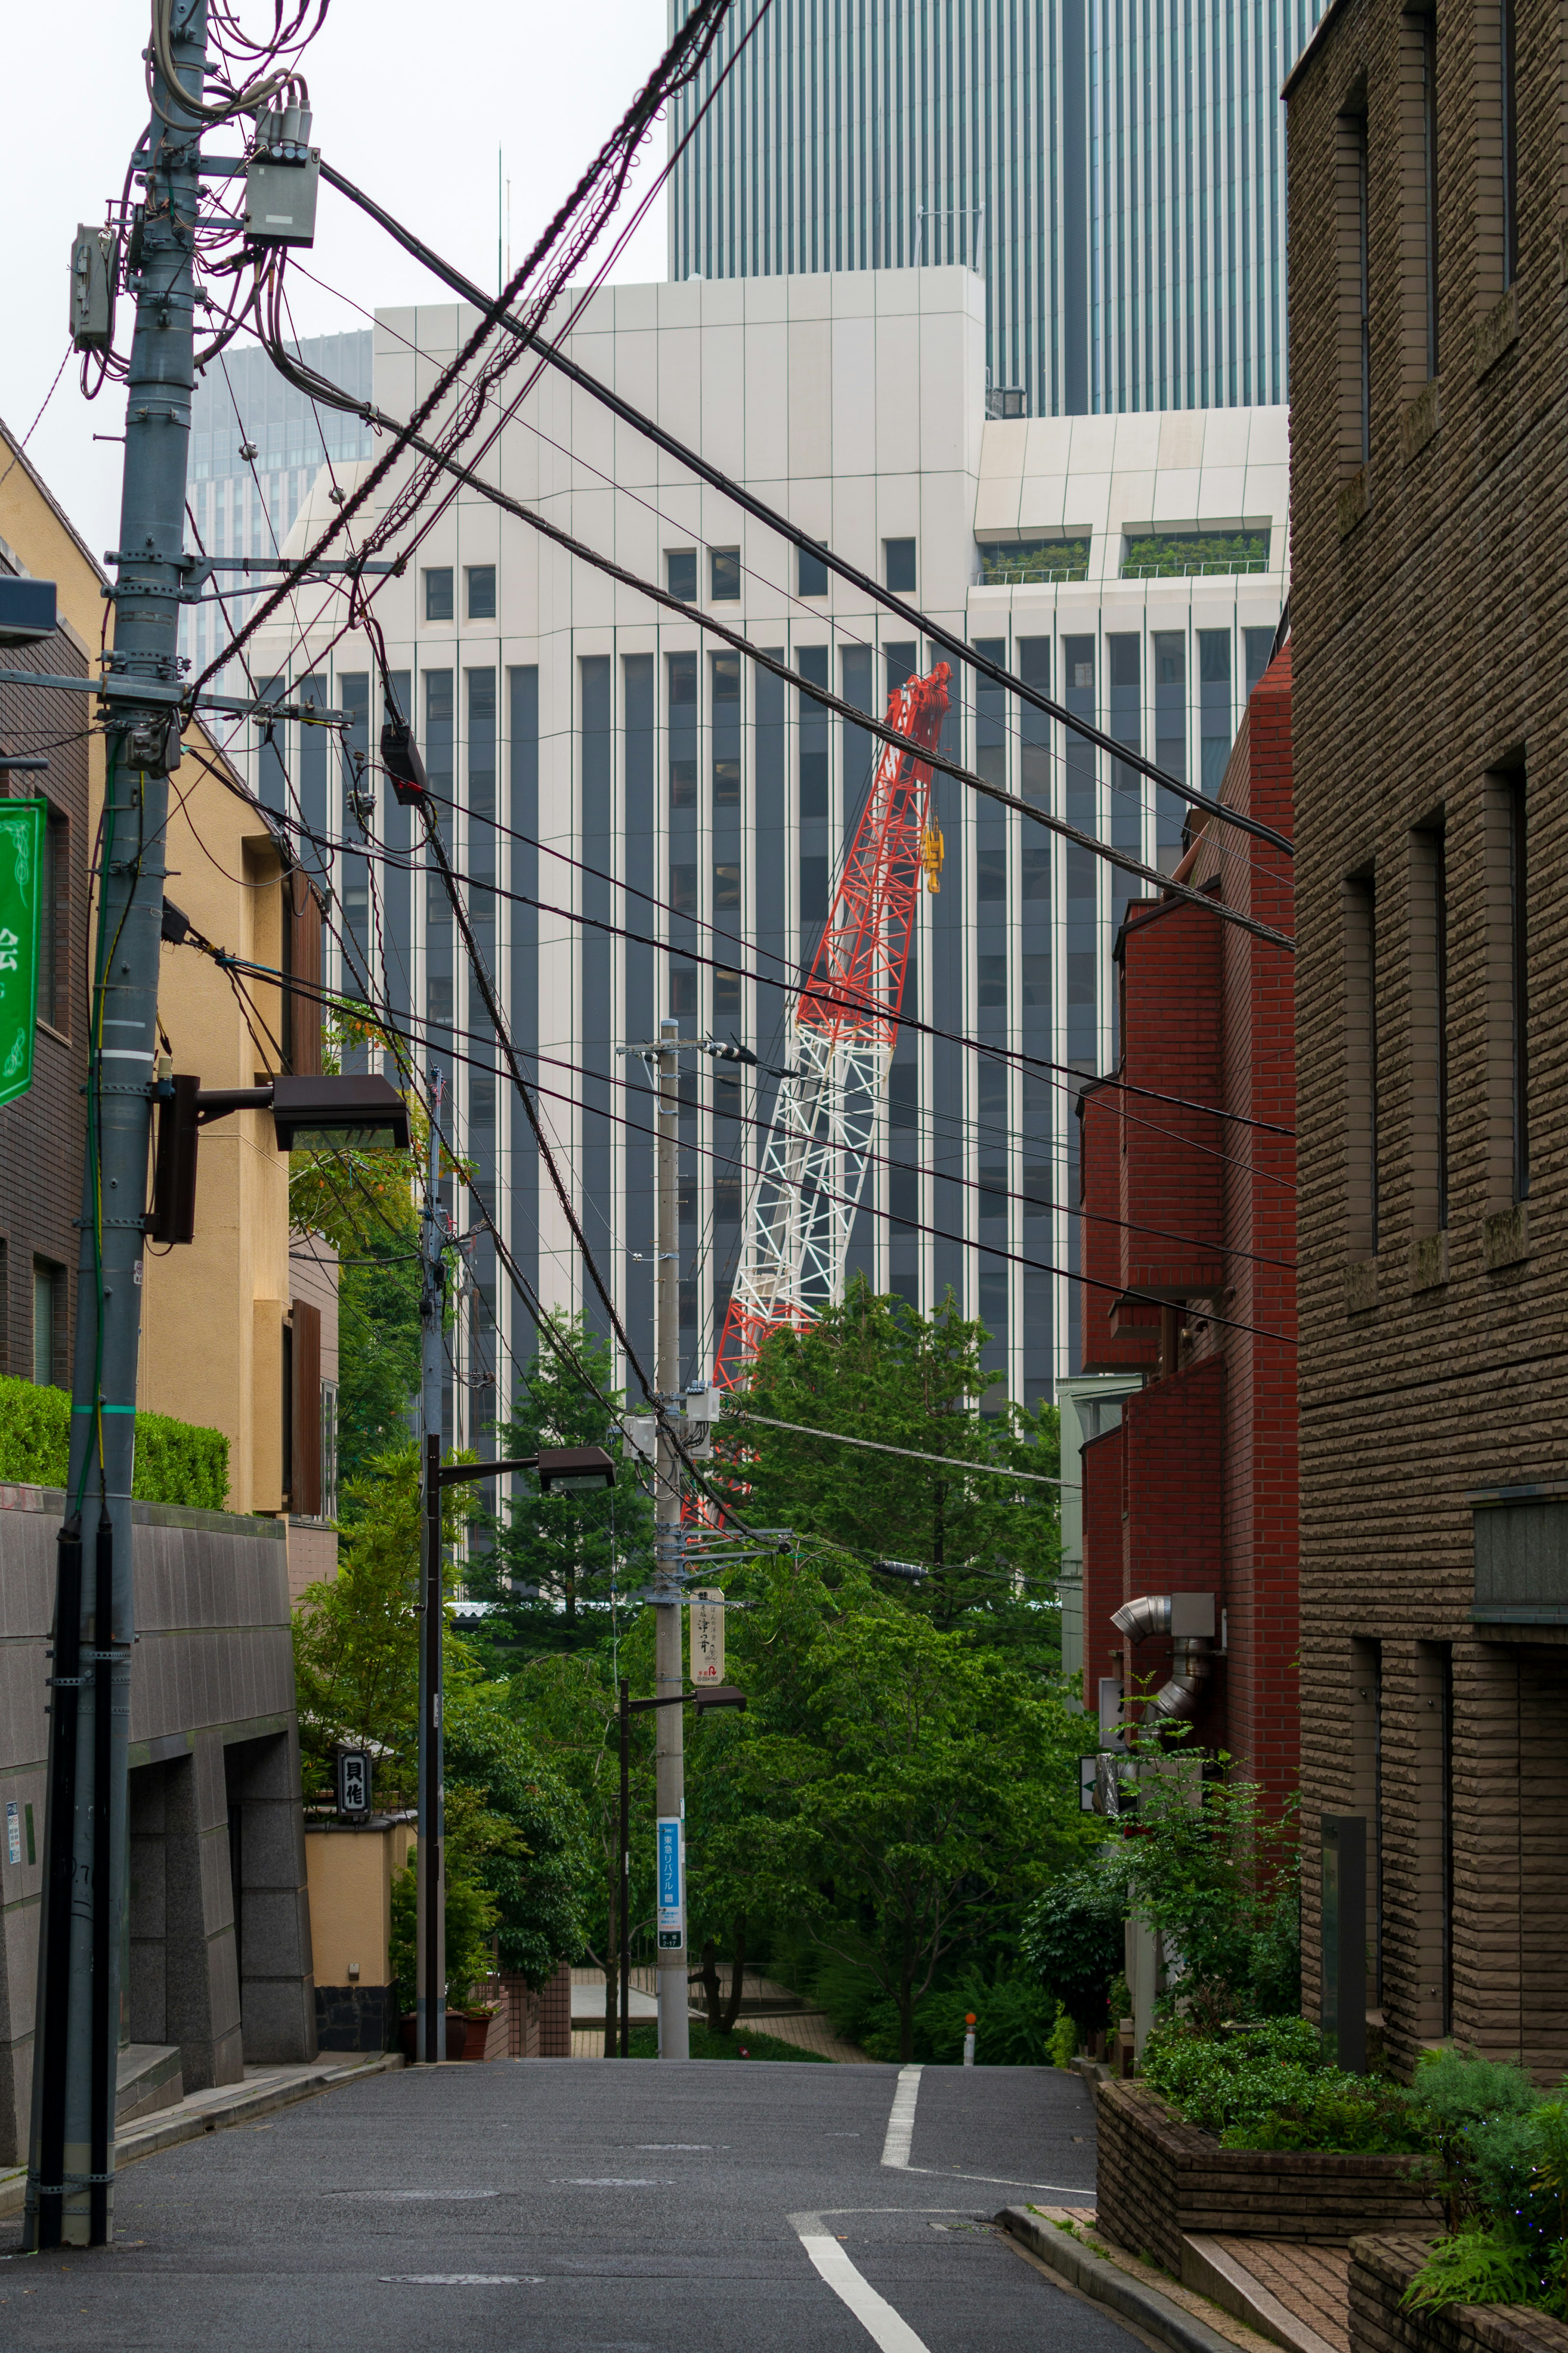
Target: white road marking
pixel 901 2119
pixel 604 2181
pixel 874 2313
pixel 460 2279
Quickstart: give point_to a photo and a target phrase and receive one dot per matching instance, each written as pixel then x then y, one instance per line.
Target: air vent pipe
pixel 1189 1619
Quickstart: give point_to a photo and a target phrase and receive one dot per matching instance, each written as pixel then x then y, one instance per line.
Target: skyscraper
pixel 245 504
pixel 1115 172
pixel 648 823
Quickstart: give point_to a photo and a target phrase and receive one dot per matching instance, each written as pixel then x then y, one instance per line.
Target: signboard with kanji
pixel 22 826
pixel 707 1636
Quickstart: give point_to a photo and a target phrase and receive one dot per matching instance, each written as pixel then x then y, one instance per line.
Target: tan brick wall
pixel 1430 660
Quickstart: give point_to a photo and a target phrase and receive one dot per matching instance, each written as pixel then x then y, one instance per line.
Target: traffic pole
pixel 430 2030
pixel 71 2153
pixel 670 1766
pixel 625 1871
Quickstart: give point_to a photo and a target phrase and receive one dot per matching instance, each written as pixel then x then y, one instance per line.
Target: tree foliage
pixel 556 1555
pixel 875 1369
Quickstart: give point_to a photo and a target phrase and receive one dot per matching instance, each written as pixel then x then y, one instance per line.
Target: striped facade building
pixel 650 824
pixel 1114 169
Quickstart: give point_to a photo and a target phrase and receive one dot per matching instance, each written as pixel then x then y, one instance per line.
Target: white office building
pixel 609 767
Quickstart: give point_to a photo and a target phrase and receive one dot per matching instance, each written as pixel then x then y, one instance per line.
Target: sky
pixel 413 106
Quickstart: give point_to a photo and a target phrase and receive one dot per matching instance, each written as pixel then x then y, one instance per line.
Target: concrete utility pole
pixel 431 1853
pixel 670 1768
pixel 71 2171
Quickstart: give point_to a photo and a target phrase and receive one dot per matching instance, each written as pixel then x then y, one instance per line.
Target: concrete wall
pixel 219 1924
pixel 352 1866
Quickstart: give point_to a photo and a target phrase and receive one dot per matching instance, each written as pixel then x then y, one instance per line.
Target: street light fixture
pixel 718 1696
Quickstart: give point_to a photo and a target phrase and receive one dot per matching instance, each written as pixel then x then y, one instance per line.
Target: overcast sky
pixel 410 102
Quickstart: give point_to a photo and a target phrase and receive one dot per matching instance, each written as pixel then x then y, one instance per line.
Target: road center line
pixel 901 2119
pixel 874 2313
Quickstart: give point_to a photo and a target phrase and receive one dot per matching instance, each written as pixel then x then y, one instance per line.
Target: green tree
pixel 873 1367
pixel 557 1557
pixel 910 1792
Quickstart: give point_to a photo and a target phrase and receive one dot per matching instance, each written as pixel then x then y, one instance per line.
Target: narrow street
pixel 591 2207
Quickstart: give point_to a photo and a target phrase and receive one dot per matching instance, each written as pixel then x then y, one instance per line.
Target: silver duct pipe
pixel 1151 1614
pixel 1189 1672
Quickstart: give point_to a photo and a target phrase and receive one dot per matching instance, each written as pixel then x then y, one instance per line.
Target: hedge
pixel 177 1461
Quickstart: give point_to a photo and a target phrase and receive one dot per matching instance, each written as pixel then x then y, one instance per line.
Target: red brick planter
pixel 1382 2268
pixel 1157 2181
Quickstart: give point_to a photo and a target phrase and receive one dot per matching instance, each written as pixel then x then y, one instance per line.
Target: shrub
pixel 1267 2087
pixel 177 1461
pixel 1073 1938
pixel 1015 2022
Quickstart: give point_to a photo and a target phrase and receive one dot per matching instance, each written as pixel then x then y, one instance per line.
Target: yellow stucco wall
pixel 213 1310
pixel 350 1873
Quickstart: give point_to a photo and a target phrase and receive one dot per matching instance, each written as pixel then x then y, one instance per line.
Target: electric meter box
pixel 280 200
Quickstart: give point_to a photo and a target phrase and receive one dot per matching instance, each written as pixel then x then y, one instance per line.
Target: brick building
pixel 1188 1162
pixel 1428 176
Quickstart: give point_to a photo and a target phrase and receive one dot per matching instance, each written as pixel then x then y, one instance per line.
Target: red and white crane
pixel 842 1029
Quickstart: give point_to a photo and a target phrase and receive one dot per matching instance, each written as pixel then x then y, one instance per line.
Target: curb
pixel 172 2127
pixel 1109 2286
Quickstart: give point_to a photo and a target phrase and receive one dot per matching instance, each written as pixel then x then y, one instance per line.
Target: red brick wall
pixel 1108 1345
pixel 1170 1172
pixel 1210 1453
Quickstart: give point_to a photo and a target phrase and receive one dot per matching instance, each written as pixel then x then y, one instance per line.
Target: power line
pixel 910 1453
pixel 496 313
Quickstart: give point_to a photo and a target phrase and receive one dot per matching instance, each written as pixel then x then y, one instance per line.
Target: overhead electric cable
pixel 496 311
pixel 737 1407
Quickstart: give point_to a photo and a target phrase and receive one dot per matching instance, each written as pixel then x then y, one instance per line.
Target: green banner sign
pixel 21 908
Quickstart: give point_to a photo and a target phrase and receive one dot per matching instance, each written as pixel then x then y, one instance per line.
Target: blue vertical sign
pixel 672 1886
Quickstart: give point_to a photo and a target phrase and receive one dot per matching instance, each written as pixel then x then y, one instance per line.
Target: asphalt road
pixel 590 2206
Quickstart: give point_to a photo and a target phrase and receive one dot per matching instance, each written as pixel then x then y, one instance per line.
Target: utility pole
pixel 70 2173
pixel 670 1766
pixel 430 2029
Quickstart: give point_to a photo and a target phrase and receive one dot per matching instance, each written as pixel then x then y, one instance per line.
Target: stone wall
pixel 1156 2181
pixel 219 1919
pixel 1381 2269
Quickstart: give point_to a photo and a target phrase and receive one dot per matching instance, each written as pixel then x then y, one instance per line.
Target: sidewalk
pixel 262 2090
pixel 771 2008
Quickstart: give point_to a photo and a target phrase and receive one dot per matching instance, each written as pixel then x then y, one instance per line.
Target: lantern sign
pixel 707 1636
pixel 353 1781
pixel 22 834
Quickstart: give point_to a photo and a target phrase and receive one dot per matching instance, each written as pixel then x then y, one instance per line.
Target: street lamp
pixel 718 1695
pixel 328 1114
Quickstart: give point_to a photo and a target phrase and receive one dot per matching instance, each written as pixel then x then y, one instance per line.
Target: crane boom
pixel 842 1030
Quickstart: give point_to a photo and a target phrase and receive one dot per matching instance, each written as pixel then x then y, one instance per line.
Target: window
pixel 1508 49
pixel 991 875
pixel 680 671
pixel 724 576
pixel 904 661
pixel 683 783
pixel 993 1188
pixel 1518 928
pixel 49 1320
pixel 54 924
pixel 727 1198
pixel 726 886
pixel 726 994
pixel 992 982
pixel 1429 1027
pixel 1193 554
pixel 1034 658
pixel 1258 648
pixel 681 573
pixel 1355 326
pixel 991 716
pixel 903 1095
pixel 726 783
pixel 899 565
pixel 438 593
pixel 683 889
pixel 480 580
pixel 1429 32
pixel 1361 1063
pixel 1024 563
pixel 812 663
pixel 683 987
pixel 1036 871
pixel 813 890
pixel 810 573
